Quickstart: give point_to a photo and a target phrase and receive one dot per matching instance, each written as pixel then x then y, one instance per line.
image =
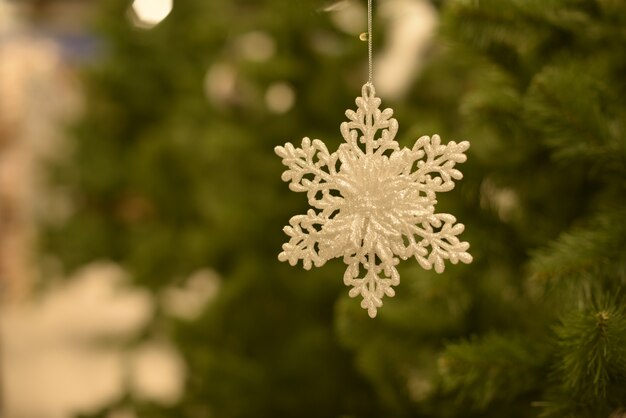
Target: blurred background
pixel 141 209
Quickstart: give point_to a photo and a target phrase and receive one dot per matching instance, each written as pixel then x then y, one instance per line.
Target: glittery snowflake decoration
pixel 375 203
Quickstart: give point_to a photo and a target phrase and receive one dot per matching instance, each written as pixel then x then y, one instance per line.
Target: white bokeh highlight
pixel 188 301
pixel 54 364
pixel 149 13
pixel 220 84
pixel 156 372
pixel 411 25
pixel 256 46
pixel 348 16
pixel 280 97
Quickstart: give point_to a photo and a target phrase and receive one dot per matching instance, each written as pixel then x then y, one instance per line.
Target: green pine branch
pixel 589 376
pixel 591 256
pixel 575 113
pixel 492 368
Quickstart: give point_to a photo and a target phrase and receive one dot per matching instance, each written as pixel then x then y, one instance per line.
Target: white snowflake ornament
pixel 375 203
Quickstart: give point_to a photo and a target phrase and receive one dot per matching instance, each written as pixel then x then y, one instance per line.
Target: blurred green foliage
pixel 165 182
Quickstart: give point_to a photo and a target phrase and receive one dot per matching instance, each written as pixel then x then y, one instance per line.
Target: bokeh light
pixel 256 46
pixel 149 13
pixel 280 97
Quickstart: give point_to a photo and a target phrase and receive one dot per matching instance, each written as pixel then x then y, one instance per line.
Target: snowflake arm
pixel 436 173
pixel 372 286
pixel 310 169
pixel 367 120
pixel 303 231
pixel 444 244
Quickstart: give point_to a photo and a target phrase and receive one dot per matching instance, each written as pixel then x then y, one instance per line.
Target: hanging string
pixel 367 36
pixel 369 43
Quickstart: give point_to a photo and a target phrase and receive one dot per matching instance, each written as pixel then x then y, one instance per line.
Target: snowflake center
pixel 373 193
pixel 372 198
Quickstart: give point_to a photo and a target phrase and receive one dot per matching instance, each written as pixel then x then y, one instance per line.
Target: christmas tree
pixel 173 171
